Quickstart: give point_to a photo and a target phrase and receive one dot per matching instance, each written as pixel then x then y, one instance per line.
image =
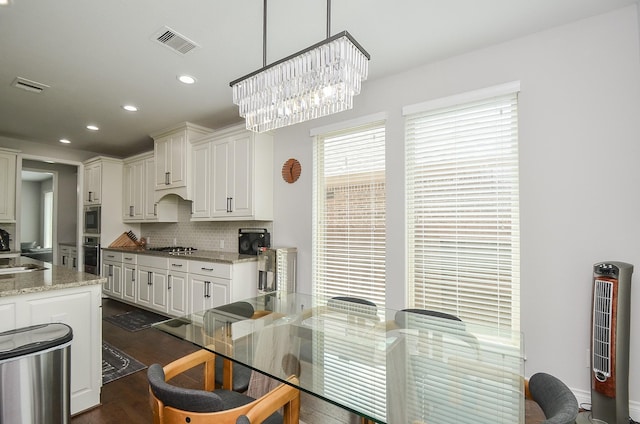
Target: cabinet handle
pixel 110 271
pixel 166 178
pixel 178 265
pixel 149 277
pixel 130 210
pixel 128 258
pixel 155 209
pixel 230 204
pixel 90 199
pixel 110 256
pixel 206 269
pixel 133 277
pixel 207 289
pixel 169 282
pixel 74 263
pixel 64 260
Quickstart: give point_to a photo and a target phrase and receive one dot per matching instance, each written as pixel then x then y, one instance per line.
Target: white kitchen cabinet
pixel 153 282
pixel 177 287
pixel 129 274
pixel 213 284
pixel 133 191
pixel 93 183
pixel 172 155
pixel 201 170
pixel 139 204
pixel 207 292
pixel 78 307
pixel 8 160
pixel 112 271
pixel 239 171
pixel 68 256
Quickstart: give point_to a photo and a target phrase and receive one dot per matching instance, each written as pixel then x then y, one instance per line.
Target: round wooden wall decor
pixel 291 171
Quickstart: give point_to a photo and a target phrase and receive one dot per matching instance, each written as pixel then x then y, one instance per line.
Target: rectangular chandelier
pixel 317 81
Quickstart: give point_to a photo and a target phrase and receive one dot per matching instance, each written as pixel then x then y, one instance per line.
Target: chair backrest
pixel 556 400
pixel 456 327
pixel 353 305
pixel 180 398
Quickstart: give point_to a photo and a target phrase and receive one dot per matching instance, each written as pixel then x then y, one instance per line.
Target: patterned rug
pixel 135 320
pixel 117 364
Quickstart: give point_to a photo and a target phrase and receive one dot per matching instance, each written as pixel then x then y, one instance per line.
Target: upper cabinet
pixel 8 160
pixel 233 176
pixel 93 182
pixel 138 193
pixel 172 155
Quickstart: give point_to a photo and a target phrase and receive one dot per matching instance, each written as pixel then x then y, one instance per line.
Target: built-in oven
pixel 91 249
pixel 92 219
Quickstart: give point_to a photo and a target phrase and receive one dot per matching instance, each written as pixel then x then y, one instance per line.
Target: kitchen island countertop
pixel 196 255
pixel 52 278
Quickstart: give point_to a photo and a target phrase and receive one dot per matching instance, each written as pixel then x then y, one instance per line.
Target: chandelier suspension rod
pixel 328 18
pixel 264 33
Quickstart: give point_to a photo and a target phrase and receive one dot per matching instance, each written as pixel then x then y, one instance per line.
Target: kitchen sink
pixel 14 269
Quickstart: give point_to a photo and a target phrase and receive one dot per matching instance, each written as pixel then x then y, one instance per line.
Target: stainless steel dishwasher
pixel 34 375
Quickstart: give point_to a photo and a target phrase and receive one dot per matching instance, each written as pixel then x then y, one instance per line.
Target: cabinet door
pixel 7 187
pixel 93 184
pixel 144 284
pixel 241 176
pixel 150 211
pixel 201 181
pixel 178 161
pixel 161 155
pixel 177 294
pixel 107 287
pixel 206 292
pixel 220 199
pixel 133 192
pixel 129 283
pixel 159 290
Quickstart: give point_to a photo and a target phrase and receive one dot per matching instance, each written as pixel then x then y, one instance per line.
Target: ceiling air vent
pixel 28 85
pixel 175 41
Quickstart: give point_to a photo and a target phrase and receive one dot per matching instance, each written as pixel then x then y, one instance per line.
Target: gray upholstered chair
pixel 171 404
pixel 555 399
pixel 240 375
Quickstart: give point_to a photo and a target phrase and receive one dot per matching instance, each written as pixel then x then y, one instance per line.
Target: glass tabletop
pixel 385 365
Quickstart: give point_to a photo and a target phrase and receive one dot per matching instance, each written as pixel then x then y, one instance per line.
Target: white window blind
pixel 349 214
pixel 462 210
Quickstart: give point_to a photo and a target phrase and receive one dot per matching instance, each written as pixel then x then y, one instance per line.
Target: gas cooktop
pixel 174 250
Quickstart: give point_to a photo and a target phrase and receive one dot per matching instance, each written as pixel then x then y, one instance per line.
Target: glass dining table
pixel 387 366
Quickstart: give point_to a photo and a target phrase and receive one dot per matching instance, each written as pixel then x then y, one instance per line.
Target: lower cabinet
pixel 112 271
pixel 68 256
pixel 176 286
pixel 78 307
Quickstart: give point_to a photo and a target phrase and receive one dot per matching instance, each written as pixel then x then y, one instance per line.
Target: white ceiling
pixel 98 55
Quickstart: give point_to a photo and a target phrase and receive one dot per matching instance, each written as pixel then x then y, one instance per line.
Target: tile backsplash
pixel 221 236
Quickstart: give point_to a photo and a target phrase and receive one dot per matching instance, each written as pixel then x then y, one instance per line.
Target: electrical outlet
pixel 221 244
pixel 587 357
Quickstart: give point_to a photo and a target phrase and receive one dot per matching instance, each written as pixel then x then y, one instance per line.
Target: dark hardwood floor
pixel 126 400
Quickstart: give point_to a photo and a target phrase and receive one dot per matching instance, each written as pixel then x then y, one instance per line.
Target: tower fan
pixel 610 322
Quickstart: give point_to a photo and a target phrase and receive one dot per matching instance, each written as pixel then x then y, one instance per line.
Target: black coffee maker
pixel 4 241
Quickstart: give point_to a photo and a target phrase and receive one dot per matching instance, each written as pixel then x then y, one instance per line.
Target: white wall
pixel 30 212
pixel 580 167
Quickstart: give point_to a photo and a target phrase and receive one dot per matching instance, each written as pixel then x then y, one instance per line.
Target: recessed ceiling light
pixel 186 79
pixel 92 127
pixel 64 140
pixel 130 108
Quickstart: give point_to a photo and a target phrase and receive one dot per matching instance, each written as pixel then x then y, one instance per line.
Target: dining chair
pixel 557 401
pixel 238 374
pixel 171 404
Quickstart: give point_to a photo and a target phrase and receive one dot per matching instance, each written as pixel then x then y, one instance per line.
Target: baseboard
pixel 584 400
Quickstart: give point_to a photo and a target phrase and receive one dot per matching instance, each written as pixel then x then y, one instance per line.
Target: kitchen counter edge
pixel 53 278
pixel 197 255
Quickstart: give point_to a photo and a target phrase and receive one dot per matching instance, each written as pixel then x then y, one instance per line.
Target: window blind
pixel 462 210
pixel 349 214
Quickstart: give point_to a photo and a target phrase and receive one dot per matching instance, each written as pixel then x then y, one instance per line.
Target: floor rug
pixel 135 320
pixel 116 364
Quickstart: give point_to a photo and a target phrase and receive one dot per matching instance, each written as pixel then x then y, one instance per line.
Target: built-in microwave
pixel 92 219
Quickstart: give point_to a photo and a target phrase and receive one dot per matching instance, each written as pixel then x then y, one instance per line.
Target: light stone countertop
pixel 52 278
pixel 197 255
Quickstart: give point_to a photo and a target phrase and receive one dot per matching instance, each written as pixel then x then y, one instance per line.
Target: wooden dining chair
pixel 238 374
pixel 171 404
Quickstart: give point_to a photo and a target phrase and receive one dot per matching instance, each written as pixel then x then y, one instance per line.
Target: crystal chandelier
pixel 317 81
